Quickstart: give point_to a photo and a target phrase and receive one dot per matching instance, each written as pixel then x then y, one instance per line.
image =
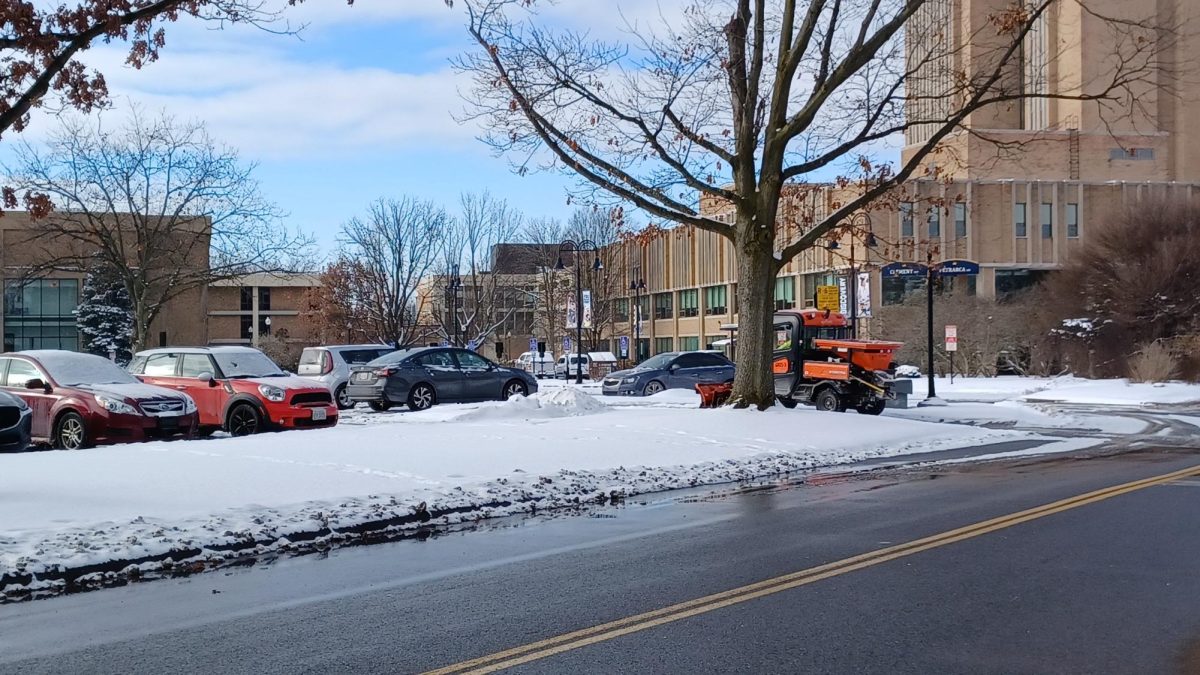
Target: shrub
pixel 1153 363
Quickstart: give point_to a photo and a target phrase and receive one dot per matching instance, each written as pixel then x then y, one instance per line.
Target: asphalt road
pixel 1112 585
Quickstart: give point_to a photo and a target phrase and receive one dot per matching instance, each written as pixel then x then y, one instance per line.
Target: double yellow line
pixel 639 622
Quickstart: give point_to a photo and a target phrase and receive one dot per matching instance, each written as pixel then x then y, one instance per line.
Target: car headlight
pixel 271 393
pixel 114 405
pixel 629 380
pixel 189 406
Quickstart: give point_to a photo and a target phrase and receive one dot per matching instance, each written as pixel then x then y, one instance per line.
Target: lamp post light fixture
pixel 638 287
pixel 575 248
pixel 858 223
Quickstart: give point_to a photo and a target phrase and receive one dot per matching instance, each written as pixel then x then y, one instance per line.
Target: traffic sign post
pixel 829 298
pixel 623 346
pixel 951 346
pixel 533 345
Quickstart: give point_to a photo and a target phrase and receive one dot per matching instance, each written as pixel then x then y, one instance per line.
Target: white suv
pixel 331 366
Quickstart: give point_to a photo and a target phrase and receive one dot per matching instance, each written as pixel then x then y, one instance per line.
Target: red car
pixel 79 400
pixel 238 389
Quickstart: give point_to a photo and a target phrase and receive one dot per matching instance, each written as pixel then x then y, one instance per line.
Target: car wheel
pixel 243 420
pixel 875 407
pixel 652 387
pixel 829 401
pixel 70 432
pixel 514 388
pixel 788 402
pixel 380 406
pixel 421 397
pixel 343 398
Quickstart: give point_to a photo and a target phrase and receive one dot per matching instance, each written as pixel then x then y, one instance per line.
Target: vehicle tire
pixel 70 433
pixel 875 407
pixel 788 402
pixel 343 398
pixel 380 406
pixel 652 387
pixel 829 401
pixel 422 397
pixel 514 387
pixel 243 420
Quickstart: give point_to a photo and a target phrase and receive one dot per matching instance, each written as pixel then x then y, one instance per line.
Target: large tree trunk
pixel 754 384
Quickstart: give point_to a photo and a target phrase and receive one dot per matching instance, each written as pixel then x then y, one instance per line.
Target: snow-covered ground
pixel 1019 414
pixel 1067 389
pixel 560 447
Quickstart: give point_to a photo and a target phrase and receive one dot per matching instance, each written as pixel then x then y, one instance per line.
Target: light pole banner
pixel 571 312
pixel 843 296
pixel 587 309
pixel 862 294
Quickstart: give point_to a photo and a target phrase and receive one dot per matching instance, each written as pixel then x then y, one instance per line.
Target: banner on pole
pixel 862 295
pixel 587 309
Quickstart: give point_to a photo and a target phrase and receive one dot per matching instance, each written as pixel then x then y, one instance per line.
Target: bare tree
pixel 738 98
pixel 602 227
pixel 40 41
pixel 158 202
pixel 389 255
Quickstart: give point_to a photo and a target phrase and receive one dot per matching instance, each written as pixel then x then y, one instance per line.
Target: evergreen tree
pixel 105 315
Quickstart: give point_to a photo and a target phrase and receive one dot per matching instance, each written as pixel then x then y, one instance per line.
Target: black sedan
pixel 669 370
pixel 16 423
pixel 422 377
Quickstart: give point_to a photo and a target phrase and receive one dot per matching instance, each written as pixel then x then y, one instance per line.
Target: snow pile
pixel 565 402
pixel 1065 389
pixel 908 371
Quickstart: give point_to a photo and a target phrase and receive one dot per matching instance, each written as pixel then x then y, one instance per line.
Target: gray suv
pixel 425 376
pixel 669 370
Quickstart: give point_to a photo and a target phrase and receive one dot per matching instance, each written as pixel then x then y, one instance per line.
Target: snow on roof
pixel 214 349
pixel 71 368
pixel 602 357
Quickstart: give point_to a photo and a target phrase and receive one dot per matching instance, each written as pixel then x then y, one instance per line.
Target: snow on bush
pixel 908 371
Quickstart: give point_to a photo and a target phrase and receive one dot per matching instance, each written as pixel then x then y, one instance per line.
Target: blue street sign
pixel 566 345
pixel 623 341
pixel 471 345
pixel 445 343
pixel 533 344
pixel 903 269
pixel 955 268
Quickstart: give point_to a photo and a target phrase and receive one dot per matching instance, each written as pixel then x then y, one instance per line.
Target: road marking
pixel 638 622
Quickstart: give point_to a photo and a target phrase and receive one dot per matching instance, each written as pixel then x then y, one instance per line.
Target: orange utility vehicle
pixel 818 363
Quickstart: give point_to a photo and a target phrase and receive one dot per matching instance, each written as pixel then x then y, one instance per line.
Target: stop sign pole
pixel 951 346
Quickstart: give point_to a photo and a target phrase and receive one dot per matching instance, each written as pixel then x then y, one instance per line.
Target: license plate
pixel 362 377
pixel 318 414
pixel 168 423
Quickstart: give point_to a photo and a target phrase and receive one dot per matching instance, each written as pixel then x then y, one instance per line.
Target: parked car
pixel 238 389
pixel 426 376
pixel 330 365
pixel 570 365
pixel 539 366
pixel 16 420
pixel 669 370
pixel 79 400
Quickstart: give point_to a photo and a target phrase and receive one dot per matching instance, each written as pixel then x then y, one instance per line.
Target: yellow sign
pixel 828 297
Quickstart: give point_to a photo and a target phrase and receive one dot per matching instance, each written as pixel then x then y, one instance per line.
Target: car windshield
pixel 389 359
pixel 658 362
pixel 357 357
pixel 247 364
pixel 71 369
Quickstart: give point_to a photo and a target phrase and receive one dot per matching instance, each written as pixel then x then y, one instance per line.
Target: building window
pixel 642 349
pixel 247 328
pixel 663 345
pixel 643 308
pixel 906 219
pixel 40 314
pixel 960 220
pixel 1047 214
pixel 710 342
pixel 785 293
pixel 247 299
pixel 935 222
pixel 264 299
pixel 689 302
pixel 1009 282
pixel 1020 226
pixel 662 306
pixel 621 309
pixel 1131 153
pixel 1072 220
pixel 264 328
pixel 714 300
pixel 897 289
pixel 689 343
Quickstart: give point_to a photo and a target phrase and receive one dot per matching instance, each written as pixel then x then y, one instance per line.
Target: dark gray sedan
pixel 669 370
pixel 423 377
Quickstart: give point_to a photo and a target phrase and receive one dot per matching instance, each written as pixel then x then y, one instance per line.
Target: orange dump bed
pixel 868 354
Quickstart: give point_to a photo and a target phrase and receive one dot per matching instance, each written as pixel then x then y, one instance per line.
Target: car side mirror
pixel 38 383
pixel 673 367
pixel 207 378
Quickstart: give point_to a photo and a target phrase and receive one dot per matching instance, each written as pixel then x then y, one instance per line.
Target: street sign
pixel 957 268
pixel 533 344
pixel 445 343
pixel 951 338
pixel 902 269
pixel 471 345
pixel 566 345
pixel 623 346
pixel 828 297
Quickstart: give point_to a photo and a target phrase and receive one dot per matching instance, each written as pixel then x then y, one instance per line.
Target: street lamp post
pixel 575 248
pixel 860 221
pixel 638 287
pixel 453 284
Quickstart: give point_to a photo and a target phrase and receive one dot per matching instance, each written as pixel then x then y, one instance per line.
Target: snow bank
pixel 208 499
pixel 1066 389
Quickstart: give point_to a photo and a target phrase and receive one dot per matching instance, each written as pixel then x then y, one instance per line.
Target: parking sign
pixel 533 344
pixel 566 345
pixel 623 341
pixel 951 338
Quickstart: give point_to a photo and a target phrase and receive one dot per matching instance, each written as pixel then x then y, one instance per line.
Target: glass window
pixel 161 365
pixel 438 359
pixel 21 372
pixel 662 306
pixel 663 344
pixel 1009 282
pixel 643 348
pixel 689 343
pixel 264 328
pixel 621 309
pixel 1072 220
pixel 689 302
pixel 248 363
pixel 960 220
pixel 247 299
pixel 1047 213
pixel 642 307
pixel 711 360
pixel 783 336
pixel 906 219
pixel 688 361
pixel 264 299
pixel 896 289
pixel 935 222
pixel 1020 226
pixel 357 357
pixel 40 314
pixel 471 361
pixel 195 365
pixel 785 293
pixel 247 326
pixel 714 300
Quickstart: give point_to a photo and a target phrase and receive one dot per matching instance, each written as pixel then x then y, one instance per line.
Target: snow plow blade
pixel 714 395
